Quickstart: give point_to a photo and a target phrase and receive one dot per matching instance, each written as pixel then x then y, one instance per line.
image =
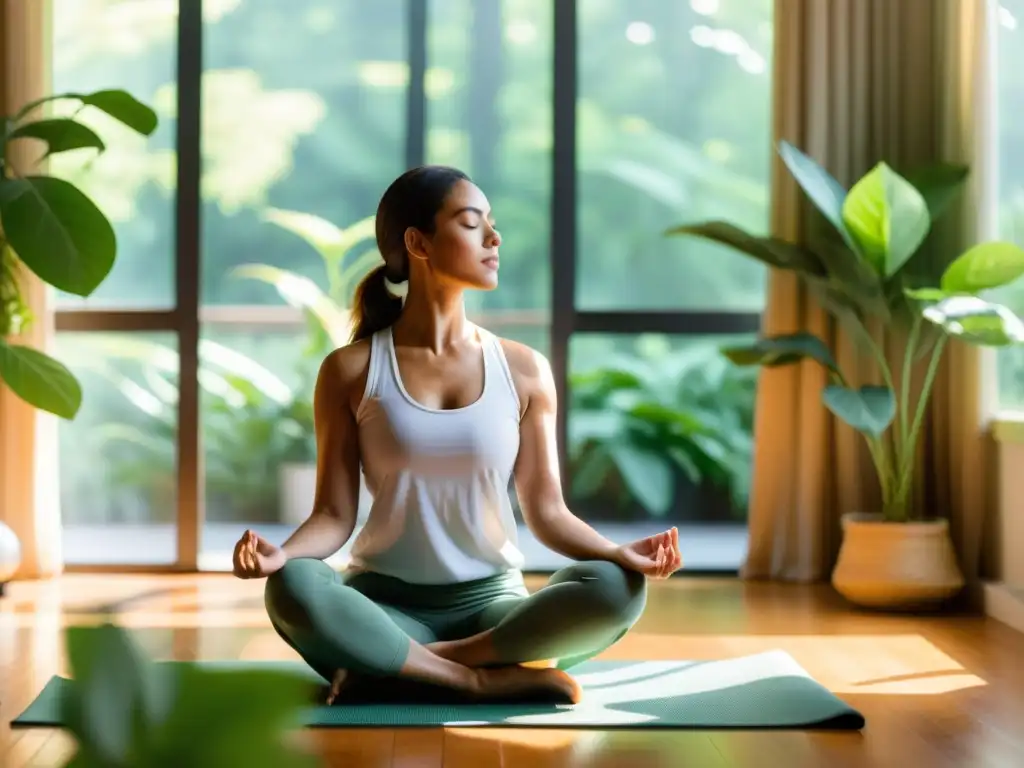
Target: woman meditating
pixel 438 414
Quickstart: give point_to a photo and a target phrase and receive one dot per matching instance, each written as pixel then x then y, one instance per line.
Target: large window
pixel 592 126
pixel 1010 89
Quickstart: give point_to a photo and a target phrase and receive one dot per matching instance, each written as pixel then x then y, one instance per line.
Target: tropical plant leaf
pixel 887 217
pixel 60 134
pixel 118 104
pixel 768 250
pixel 595 425
pixel 827 194
pixel 671 418
pixel 868 409
pixel 772 351
pixel 983 267
pixel 39 380
pixel 939 185
pixel 977 321
pixel 216 710
pixel 302 293
pixel 590 471
pixel 647 475
pixel 925 294
pixel 57 232
pixel 327 238
pixel 115 697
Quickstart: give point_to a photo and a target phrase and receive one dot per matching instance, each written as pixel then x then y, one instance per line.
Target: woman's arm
pixel 339 384
pixel 538 482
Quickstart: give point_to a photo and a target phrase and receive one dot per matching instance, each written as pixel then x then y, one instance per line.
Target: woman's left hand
pixel 656 557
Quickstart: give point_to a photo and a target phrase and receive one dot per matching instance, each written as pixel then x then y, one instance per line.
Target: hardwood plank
pixel 940 690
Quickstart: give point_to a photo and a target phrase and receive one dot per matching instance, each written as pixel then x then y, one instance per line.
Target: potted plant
pixel 51 228
pixel 328 323
pixel 868 266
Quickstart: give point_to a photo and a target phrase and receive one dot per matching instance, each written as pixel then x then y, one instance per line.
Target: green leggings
pixel 363 623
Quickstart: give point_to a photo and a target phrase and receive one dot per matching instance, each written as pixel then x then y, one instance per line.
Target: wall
pixel 1004 597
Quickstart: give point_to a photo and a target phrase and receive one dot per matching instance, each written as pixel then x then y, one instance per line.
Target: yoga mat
pixel 765 690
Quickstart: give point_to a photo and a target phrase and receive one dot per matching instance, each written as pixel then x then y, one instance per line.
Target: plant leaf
pixel 771 251
pixel 60 135
pixel 124 108
pixel 925 294
pixel 58 233
pixel 590 471
pixel 977 321
pixel 586 425
pixel 888 217
pixel 772 351
pixel 302 293
pixel 868 409
pixel 119 104
pixel 217 710
pixel 819 185
pixel 661 415
pixel 327 238
pixel 647 475
pixel 984 266
pixel 939 185
pixel 39 380
pixel 109 690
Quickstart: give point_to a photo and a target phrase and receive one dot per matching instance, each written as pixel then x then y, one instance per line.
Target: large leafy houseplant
pixel 642 421
pixel 870 266
pixel 52 228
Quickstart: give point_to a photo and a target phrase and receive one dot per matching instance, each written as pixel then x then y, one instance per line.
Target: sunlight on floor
pixel 894 664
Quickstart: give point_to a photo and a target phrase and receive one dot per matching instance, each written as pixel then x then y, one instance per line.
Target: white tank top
pixel 439 479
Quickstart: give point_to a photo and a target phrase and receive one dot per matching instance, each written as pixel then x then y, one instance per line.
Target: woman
pixel 439 414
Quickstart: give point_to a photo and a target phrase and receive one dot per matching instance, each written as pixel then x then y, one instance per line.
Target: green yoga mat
pixel 766 690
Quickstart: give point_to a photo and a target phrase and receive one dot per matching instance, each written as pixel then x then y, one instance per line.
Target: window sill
pixel 1008 427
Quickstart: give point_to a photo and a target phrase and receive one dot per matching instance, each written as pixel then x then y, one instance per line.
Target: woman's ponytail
pixel 412 200
pixel 375 307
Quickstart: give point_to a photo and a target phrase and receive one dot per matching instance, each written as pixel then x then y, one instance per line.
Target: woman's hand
pixel 255 558
pixel 656 557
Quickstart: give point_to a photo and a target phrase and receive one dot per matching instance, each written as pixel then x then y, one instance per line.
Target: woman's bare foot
pixel 515 682
pixel 474 651
pixel 341 677
pixel 479 651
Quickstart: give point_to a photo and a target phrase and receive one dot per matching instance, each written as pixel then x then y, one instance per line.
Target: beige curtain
pixel 29 501
pixel 855 82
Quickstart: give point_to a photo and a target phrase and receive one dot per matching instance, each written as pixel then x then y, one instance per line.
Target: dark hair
pixel 412 200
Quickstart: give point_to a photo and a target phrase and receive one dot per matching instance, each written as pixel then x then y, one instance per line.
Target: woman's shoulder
pixel 529 367
pixel 344 369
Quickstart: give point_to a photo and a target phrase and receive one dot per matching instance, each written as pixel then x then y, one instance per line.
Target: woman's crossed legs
pixel 468 637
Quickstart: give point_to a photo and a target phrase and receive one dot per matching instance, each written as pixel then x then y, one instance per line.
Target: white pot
pixel 298 490
pixel 10 555
pixel 896 565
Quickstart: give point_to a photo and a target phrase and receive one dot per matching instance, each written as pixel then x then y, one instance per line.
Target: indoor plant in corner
pixel 869 266
pixel 50 227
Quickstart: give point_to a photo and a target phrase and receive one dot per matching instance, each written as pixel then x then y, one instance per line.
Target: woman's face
pixel 464 247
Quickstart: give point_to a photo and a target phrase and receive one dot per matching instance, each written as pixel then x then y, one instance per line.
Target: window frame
pixel 186 317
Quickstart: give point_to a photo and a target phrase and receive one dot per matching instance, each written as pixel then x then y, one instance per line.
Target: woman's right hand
pixel 255 557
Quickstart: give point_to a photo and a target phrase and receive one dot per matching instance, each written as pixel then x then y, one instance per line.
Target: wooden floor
pixel 936 691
